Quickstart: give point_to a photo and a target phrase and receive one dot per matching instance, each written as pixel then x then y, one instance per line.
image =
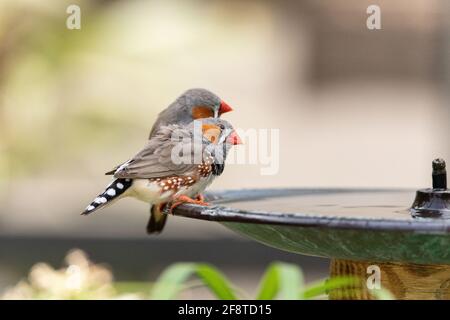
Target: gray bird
pixel 191 105
pixel 157 174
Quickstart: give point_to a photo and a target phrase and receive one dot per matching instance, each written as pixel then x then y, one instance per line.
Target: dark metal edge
pixel 226 214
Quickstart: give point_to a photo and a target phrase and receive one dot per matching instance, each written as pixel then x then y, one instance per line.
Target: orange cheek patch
pixel 202 112
pixel 211 132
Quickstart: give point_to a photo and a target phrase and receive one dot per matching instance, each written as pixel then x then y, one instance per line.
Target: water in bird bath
pixel 386 204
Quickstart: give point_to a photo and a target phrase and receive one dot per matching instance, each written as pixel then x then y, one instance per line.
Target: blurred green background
pixel 366 108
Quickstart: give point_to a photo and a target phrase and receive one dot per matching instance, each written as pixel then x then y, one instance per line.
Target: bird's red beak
pixel 234 139
pixel 224 107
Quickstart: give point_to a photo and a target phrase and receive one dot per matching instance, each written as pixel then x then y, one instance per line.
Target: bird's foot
pixel 185 199
pixel 200 197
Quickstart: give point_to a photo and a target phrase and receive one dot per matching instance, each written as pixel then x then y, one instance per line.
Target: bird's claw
pixel 200 197
pixel 185 199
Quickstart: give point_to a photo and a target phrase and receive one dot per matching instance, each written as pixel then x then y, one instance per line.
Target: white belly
pixel 144 190
pixel 150 191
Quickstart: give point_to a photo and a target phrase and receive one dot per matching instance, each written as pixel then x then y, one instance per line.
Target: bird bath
pixel 354 228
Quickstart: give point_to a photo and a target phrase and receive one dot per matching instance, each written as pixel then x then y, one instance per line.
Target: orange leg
pixel 200 197
pixel 185 199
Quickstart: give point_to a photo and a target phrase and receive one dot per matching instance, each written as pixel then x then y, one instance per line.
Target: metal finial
pixel 439 174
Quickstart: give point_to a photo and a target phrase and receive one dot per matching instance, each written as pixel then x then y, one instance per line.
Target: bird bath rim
pixel 222 213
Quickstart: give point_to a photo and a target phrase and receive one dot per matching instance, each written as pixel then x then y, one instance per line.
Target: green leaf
pixel 290 281
pixel 216 282
pixel 323 287
pixel 268 287
pixel 170 282
pixel 281 279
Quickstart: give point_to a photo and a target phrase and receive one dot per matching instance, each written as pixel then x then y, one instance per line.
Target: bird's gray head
pixel 218 136
pixel 200 104
pixel 214 131
pixel 219 131
pixel 211 137
pixel 191 105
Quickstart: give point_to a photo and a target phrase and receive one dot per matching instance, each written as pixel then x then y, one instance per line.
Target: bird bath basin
pixel 354 228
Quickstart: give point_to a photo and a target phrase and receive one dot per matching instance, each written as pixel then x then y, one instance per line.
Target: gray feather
pixel 155 159
pixel 180 111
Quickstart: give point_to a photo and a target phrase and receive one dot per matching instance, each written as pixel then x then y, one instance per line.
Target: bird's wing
pixel 157 137
pixel 155 128
pixel 155 159
pixel 113 171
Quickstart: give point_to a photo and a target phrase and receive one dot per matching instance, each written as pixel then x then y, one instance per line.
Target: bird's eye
pixel 221 126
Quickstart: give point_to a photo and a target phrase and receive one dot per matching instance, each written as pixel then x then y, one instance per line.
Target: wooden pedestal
pixel 403 281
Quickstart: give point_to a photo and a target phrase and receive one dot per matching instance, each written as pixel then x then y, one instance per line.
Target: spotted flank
pixel 159 189
pixel 174 183
pixel 112 192
pixel 209 167
pixel 205 168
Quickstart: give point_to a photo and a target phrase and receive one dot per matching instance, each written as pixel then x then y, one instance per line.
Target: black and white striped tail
pixel 113 192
